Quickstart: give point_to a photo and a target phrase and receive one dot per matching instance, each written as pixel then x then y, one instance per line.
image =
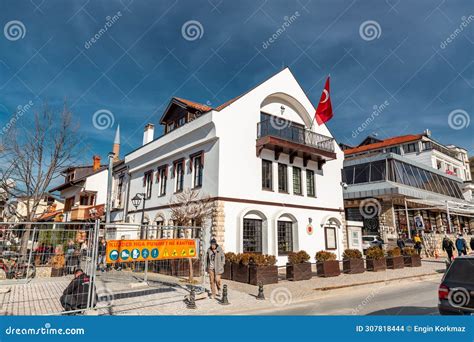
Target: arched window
pixel 252 234
pixel 285 227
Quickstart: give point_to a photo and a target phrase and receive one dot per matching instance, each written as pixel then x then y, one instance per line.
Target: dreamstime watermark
pixel 377 110
pixel 110 21
pixel 459 297
pixel 281 296
pixel 370 30
pixel 369 208
pixel 14 30
pixel 366 301
pixel 192 30
pixel 464 24
pixel 46 330
pixel 288 20
pixel 459 119
pixel 103 119
pixel 20 111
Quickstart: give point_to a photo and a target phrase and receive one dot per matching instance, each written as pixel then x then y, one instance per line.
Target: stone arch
pixel 290 102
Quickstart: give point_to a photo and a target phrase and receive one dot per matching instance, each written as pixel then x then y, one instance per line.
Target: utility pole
pixel 111 156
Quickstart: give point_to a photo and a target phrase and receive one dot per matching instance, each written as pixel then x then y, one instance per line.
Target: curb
pixel 329 288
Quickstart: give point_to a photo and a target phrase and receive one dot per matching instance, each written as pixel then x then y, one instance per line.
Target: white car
pixel 371 241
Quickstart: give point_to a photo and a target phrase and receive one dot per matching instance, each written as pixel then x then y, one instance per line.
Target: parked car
pixel 456 291
pixel 371 241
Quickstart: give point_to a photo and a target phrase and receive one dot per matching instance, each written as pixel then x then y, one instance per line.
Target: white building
pixel 274 178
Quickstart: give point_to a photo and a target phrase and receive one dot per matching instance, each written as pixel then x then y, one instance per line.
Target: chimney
pixel 96 163
pixel 116 147
pixel 148 133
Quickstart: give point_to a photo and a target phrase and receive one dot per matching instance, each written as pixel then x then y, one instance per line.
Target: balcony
pixel 87 212
pixel 294 140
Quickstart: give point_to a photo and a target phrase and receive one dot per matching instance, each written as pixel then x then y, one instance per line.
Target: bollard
pixel 260 295
pixel 192 299
pixel 224 300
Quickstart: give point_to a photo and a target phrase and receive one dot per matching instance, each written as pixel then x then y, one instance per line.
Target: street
pixel 404 298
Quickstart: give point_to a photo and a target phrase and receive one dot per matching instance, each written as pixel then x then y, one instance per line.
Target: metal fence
pixel 38 262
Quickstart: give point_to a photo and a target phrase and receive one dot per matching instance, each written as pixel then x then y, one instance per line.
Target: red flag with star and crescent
pixel 324 110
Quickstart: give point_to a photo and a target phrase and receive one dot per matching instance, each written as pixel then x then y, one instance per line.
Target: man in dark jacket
pixel 448 247
pixel 461 245
pixel 101 258
pixel 215 260
pixel 75 295
pixel 400 243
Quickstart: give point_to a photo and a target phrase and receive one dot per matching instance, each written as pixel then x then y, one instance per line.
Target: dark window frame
pixel 267 175
pixel 297 190
pixel 252 227
pixel 285 237
pixel 310 185
pixel 282 178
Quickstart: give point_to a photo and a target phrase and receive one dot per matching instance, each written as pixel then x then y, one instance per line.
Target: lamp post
pixel 136 203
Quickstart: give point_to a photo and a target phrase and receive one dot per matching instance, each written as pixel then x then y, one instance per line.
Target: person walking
pixel 448 247
pixel 400 243
pixel 215 260
pixel 417 241
pixel 101 264
pixel 461 245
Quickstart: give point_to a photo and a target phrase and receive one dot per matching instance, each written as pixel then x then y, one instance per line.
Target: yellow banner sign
pixel 140 250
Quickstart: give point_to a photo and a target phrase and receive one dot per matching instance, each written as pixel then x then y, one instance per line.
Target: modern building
pixel 411 176
pixel 274 177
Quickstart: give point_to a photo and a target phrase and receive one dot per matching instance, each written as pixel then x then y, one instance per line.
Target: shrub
pixel 230 257
pixel 298 257
pixel 408 251
pixel 352 254
pixel 375 253
pixel 262 259
pixel 325 256
pixel 394 252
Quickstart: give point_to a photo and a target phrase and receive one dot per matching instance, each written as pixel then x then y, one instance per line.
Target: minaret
pixel 116 148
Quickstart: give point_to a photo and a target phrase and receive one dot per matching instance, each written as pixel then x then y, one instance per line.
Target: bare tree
pixel 34 155
pixel 189 208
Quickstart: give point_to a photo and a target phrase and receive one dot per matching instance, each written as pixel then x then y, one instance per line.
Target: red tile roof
pixel 384 143
pixel 198 106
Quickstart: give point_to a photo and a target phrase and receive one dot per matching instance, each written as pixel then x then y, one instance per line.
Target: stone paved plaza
pixel 121 293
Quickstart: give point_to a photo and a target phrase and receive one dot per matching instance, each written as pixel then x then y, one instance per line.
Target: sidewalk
pixel 41 296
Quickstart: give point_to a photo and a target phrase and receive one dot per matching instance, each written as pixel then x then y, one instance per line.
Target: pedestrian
pixel 400 243
pixel 417 241
pixel 215 260
pixel 448 247
pixel 76 294
pixel 101 254
pixel 70 264
pixel 461 245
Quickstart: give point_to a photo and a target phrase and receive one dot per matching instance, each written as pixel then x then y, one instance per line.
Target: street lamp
pixel 136 203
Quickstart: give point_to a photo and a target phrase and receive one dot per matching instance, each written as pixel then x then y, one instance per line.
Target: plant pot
pixel 297 272
pixel 376 265
pixel 240 273
pixel 353 266
pixel 263 274
pixel 412 260
pixel 329 268
pixel 227 271
pixel 395 262
pixel 57 272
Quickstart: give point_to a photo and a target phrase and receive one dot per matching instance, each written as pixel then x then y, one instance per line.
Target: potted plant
pixel 229 259
pixel 240 267
pixel 262 269
pixel 326 264
pixel 375 259
pixel 411 258
pixel 352 261
pixel 395 259
pixel 298 267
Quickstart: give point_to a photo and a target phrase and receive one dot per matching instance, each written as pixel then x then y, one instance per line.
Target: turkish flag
pixel 324 110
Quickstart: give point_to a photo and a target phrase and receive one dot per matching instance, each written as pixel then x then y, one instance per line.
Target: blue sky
pixel 416 60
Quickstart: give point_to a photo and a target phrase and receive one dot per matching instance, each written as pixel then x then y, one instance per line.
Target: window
pixel 377 171
pixel 169 126
pixel 267 175
pixel 147 182
pixel 68 203
pixel 348 175
pixel 297 181
pixel 282 178
pixel 394 149
pixel 120 190
pixel 162 178
pixel 179 174
pixel 181 121
pixel 409 148
pixel 439 164
pixel 197 164
pixel 361 173
pixel 285 237
pixel 87 199
pixel 310 188
pixel 252 236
